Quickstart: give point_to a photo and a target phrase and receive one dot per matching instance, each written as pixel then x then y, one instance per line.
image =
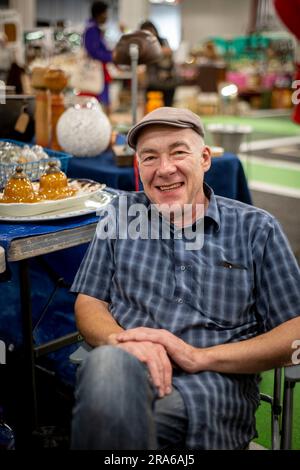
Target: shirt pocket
pixel 226 294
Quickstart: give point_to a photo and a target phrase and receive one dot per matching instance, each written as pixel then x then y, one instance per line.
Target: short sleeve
pixel 97 268
pixel 278 279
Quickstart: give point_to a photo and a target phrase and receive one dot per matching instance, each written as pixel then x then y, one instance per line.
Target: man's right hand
pixel 155 357
pixel 98 327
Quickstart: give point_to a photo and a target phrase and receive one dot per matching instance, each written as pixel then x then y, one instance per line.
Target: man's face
pixel 172 163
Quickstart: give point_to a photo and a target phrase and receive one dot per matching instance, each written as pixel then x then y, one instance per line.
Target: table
pixel 226 175
pixel 23 242
pixel 227 178
pixel 103 168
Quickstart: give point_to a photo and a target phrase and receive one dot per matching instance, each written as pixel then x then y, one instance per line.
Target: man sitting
pixel 184 312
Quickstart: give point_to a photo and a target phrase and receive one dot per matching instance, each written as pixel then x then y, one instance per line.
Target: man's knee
pixel 110 380
pixel 111 364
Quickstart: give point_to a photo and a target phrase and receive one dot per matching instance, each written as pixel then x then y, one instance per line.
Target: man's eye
pixel 148 159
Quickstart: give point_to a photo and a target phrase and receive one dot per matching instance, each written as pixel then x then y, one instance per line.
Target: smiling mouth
pixel 169 187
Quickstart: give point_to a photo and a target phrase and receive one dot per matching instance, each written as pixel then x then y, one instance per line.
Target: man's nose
pixel 166 167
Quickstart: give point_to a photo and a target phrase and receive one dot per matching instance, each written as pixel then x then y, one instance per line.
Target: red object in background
pixel 136 173
pixel 289 12
pixel 296 113
pixel 85 93
pixel 107 77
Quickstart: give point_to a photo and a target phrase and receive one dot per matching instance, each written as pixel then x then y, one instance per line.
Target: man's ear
pixel 206 158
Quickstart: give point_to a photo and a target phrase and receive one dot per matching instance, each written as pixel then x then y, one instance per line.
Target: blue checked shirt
pixel 243 282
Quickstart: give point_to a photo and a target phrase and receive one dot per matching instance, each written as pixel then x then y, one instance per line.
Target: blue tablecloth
pixel 12 230
pixel 59 319
pixel 227 178
pixel 226 175
pixel 103 169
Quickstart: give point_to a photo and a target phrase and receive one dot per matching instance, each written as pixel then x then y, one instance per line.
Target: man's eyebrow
pixel 179 143
pixel 147 150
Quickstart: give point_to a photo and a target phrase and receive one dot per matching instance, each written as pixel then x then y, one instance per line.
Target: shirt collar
pixel 212 210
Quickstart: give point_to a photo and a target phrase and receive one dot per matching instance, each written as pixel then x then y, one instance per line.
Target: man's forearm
pixel 94 321
pixel 264 352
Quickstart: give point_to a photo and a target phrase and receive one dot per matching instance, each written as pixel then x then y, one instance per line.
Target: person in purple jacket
pixel 94 43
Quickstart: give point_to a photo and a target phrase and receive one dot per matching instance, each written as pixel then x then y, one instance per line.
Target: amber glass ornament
pixel 54 183
pixel 19 188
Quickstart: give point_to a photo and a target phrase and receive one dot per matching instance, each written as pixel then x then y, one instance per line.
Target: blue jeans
pixel 118 408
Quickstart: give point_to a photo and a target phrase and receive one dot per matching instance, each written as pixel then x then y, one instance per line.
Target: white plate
pixel 86 188
pixel 89 206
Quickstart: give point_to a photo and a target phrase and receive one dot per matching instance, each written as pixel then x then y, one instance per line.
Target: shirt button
pixel 180 301
pixel 183 268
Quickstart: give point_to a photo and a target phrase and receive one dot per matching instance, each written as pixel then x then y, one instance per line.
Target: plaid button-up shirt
pixel 244 281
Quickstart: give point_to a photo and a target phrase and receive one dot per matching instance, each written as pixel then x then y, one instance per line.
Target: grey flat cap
pixel 175 117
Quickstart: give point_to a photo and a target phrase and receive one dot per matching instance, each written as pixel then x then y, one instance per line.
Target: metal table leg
pixel 27 403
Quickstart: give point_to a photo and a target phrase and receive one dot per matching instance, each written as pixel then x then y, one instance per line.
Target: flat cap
pixel 167 116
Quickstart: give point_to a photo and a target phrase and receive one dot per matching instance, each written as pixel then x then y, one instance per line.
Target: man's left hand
pixel 183 354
